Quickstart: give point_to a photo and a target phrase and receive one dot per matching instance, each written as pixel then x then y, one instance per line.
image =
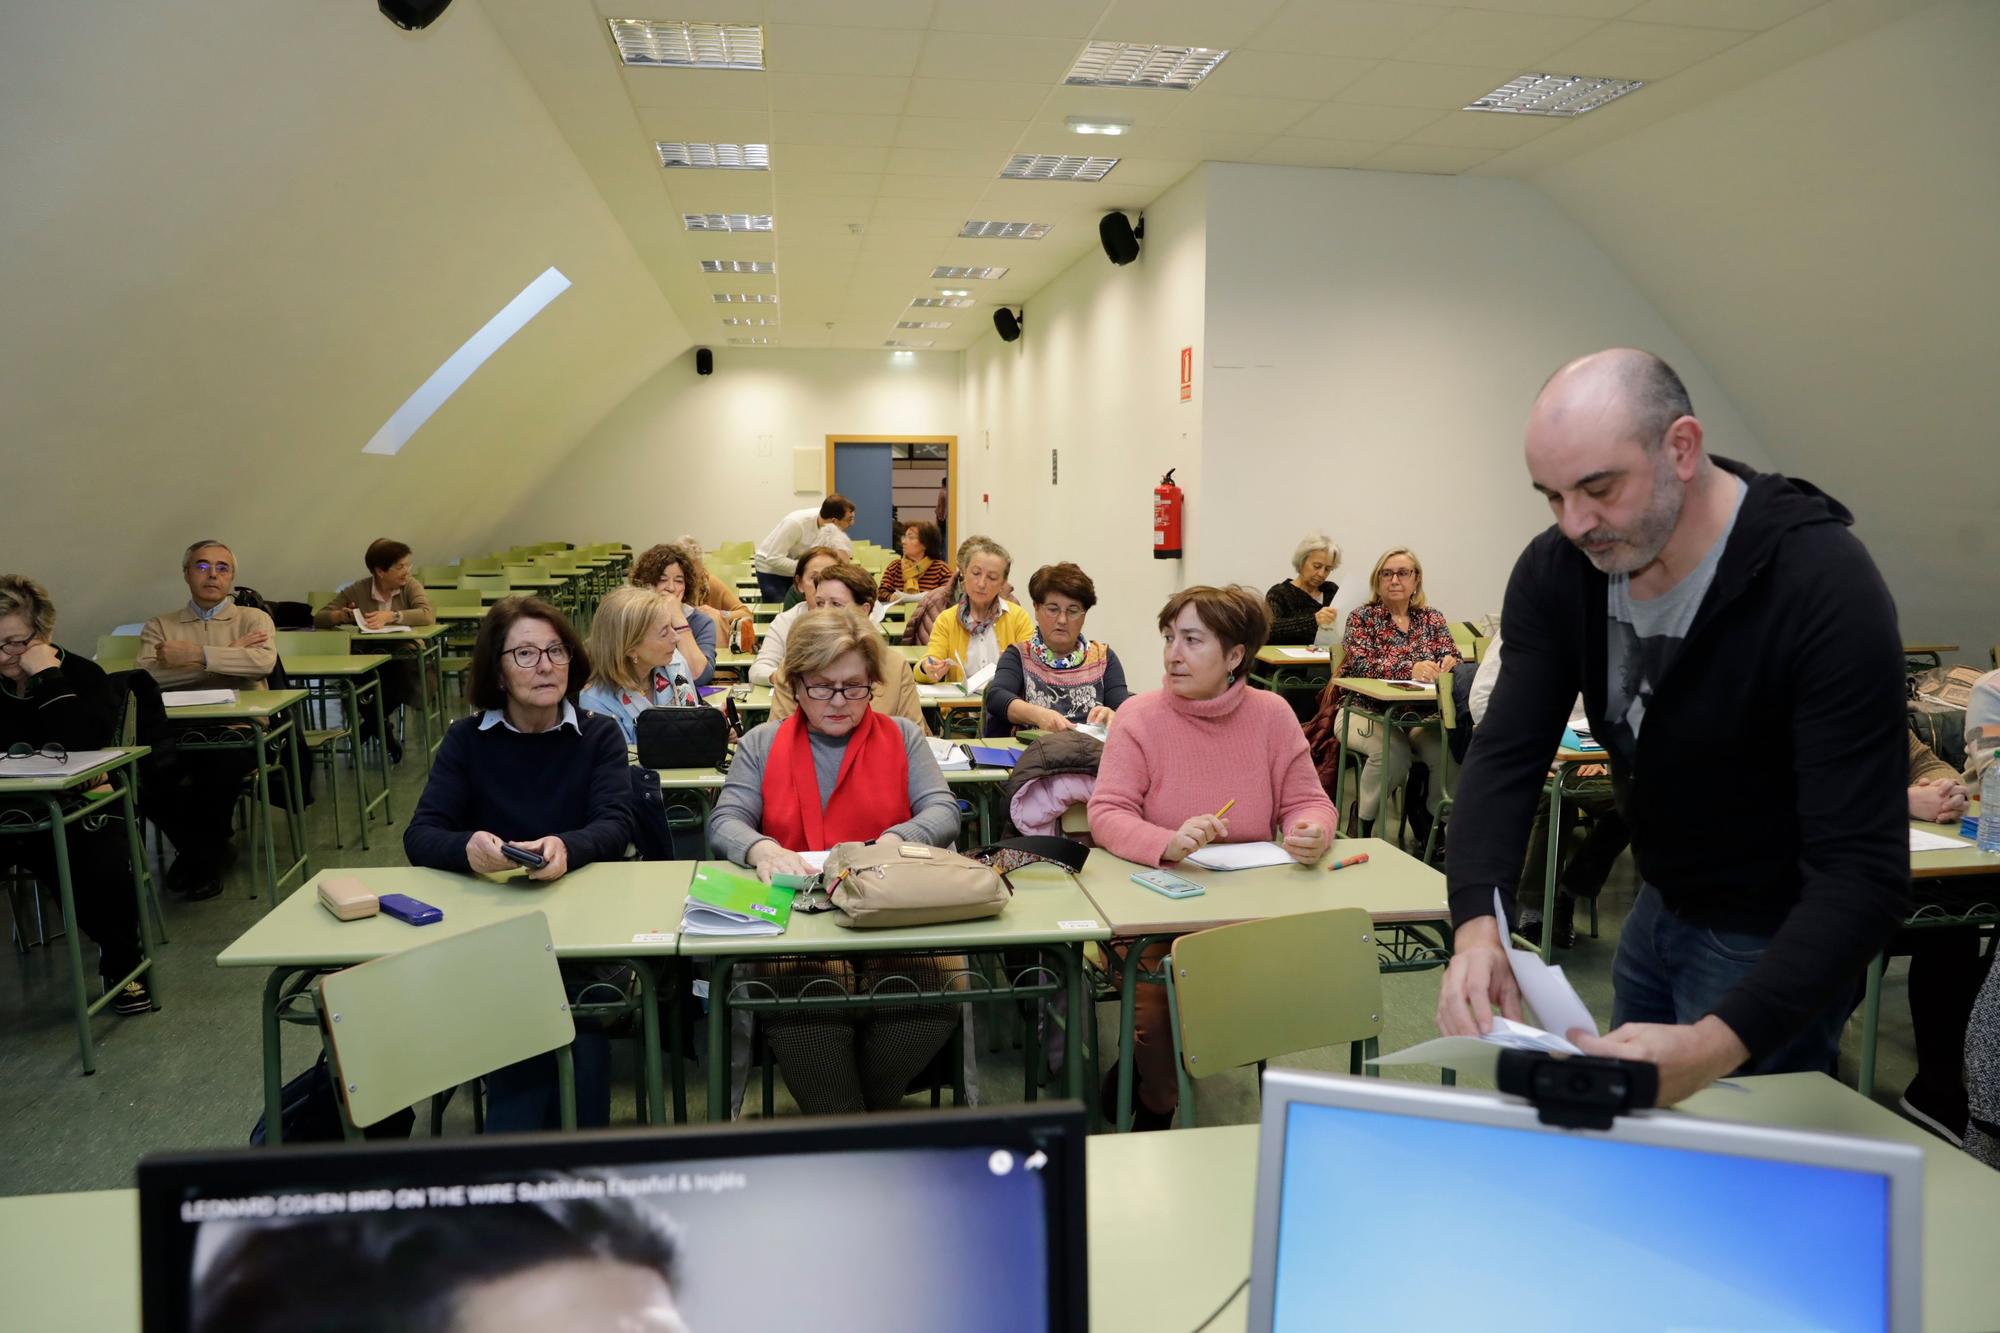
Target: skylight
pixel 923 323
pixel 1564 95
pixel 746 298
pixel 677 44
pixel 949 301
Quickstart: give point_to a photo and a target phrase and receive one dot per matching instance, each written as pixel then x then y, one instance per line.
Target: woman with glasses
pixel 1395 635
pixel 1056 678
pixel 635 659
pixel 848 585
pixel 839 771
pixel 52 702
pixel 530 771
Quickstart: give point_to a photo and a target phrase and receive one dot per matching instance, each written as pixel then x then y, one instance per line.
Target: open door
pixel 895 480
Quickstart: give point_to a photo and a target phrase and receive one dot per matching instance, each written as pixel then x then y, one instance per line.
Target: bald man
pixel 1738 656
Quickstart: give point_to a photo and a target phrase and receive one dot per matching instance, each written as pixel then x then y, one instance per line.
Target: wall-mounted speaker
pixel 704 361
pixel 411 15
pixel 1120 238
pixel 1007 324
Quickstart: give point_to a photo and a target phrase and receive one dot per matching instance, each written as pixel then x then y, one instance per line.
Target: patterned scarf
pixel 975 627
pixel 1039 647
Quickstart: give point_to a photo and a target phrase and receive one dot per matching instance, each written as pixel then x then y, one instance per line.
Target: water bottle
pixel 1989 807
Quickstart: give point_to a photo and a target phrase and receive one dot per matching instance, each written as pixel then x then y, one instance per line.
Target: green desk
pixel 351 679
pixel 258 720
pixel 31 806
pixel 959 714
pixel 1048 910
pixel 426 643
pixel 1394 888
pixel 1401 707
pixel 1566 780
pixel 1291 667
pixel 622 911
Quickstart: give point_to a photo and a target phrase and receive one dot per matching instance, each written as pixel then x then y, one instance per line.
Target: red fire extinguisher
pixel 1167 499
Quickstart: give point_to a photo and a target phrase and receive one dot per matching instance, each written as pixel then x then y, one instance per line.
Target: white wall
pixel 1831 251
pixel 1095 376
pixel 712 455
pixel 1374 342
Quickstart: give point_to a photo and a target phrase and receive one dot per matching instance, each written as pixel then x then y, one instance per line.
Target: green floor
pixel 188 1076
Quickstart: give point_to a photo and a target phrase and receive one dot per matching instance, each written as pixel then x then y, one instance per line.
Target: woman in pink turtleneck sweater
pixel 1180 753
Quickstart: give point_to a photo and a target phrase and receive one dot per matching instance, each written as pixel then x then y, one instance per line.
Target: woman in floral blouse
pixel 1395 635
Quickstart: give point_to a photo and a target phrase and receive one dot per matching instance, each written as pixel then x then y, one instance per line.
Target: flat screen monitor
pixel 1385 1205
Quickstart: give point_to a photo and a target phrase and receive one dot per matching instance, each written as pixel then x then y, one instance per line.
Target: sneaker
pixel 132 998
pixel 1947 1123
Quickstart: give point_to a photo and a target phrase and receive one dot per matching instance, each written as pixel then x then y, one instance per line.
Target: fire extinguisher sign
pixel 1187 374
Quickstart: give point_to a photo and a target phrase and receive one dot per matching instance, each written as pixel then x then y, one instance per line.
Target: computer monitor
pixel 956 1219
pixel 1384 1205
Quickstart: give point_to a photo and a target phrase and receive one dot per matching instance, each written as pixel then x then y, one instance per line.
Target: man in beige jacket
pixel 210 643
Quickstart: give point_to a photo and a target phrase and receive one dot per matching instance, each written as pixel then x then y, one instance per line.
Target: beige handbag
pixel 910 884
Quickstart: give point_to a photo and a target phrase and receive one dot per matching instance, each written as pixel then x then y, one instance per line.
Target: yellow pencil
pixel 1225 808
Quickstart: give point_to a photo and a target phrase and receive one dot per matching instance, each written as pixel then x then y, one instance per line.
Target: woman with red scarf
pixel 838 771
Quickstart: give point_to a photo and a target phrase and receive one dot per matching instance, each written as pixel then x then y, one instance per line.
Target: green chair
pixel 454 596
pixel 117 652
pixel 415 1024
pixel 494 582
pixel 485 564
pixel 1448 722
pixel 437 574
pixel 1247 993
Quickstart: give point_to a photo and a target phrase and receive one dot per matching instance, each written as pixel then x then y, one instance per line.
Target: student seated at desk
pixel 717 596
pixel 920 567
pixel 839 771
pixel 52 697
pixel 1178 755
pixel 669 569
pixel 848 586
pixel 923 613
pixel 209 644
pixel 388 596
pixel 972 633
pixel 1302 605
pixel 771 652
pixel 1057 678
pixel 530 769
pixel 634 664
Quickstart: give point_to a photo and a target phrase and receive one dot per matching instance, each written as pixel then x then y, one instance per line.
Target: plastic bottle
pixel 1989 808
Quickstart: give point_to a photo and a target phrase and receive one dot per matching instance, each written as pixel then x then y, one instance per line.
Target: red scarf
pixel 870 796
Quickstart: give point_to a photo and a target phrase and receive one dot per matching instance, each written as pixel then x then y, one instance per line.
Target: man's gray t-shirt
pixel 1645 636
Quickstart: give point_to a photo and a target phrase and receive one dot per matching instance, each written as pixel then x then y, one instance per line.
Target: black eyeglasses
pixel 825 693
pixel 528 657
pixel 23 750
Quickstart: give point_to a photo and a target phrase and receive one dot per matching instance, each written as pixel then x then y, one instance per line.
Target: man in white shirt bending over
pixel 777 556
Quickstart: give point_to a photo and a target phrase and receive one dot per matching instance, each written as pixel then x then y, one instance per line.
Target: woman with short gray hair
pixel 1302 605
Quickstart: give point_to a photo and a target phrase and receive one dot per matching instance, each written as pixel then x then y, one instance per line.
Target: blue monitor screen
pixel 1401 1221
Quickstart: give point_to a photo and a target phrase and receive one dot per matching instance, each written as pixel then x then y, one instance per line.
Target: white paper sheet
pixel 1556 1005
pixel 880 612
pixel 1303 654
pixel 362 625
pixel 196 698
pixel 1239 856
pixel 1479 1055
pixel 1922 841
pixel 41 766
pixel 950 690
pixel 950 758
pixel 977 682
pixel 1092 729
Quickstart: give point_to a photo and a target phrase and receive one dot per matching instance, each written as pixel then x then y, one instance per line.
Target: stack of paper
pixel 361 625
pixel 196 698
pixel 1239 856
pixel 1921 841
pixel 949 690
pixel 723 901
pixel 950 758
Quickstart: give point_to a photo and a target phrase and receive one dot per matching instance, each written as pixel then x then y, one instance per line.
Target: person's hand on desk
pixel 180 653
pixel 932 669
pixel 1477 979
pixel 767 858
pixel 378 619
pixel 1194 835
pixel 482 853
pixel 1937 800
pixel 1424 672
pixel 1690 1055
pixel 1306 842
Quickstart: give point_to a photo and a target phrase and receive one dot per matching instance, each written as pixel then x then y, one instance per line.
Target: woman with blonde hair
pixel 636 663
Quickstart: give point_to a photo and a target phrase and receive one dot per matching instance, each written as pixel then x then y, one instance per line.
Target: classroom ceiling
pixel 888 123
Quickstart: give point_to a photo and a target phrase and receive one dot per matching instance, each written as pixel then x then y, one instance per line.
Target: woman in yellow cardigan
pixel 982 624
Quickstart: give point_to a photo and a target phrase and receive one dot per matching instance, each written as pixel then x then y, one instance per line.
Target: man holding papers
pixel 1713 618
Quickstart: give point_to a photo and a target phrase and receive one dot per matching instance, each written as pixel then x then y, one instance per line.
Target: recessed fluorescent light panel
pixel 1562 95
pixel 894 343
pixel 750 342
pixel 755 323
pixel 458 367
pixel 716 156
pixel 1056 167
pixel 1004 231
pixel 1139 65
pixel 923 324
pixel 1094 125
pixel 739 266
pixel 954 302
pixel 673 44
pixel 746 298
pixel 955 273
pixel 726 221
pixel 950 291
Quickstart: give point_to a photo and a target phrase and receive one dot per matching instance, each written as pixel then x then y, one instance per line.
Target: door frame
pixel 950 443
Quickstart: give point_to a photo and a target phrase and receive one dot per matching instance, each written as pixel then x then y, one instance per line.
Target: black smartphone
pixel 521 855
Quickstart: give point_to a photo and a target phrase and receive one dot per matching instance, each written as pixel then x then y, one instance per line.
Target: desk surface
pixel 1392 886
pixel 1966 860
pixel 445 613
pixel 593 913
pixel 249 704
pixel 1370 688
pixel 1283 655
pixel 400 634
pixel 316 665
pixel 54 782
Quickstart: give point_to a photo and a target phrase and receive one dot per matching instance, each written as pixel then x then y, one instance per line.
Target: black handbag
pixel 696 737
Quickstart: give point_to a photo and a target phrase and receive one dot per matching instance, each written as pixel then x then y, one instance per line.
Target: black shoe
pixel 395 750
pixel 1565 922
pixel 1144 1118
pixel 1937 1110
pixel 1531 931
pixel 132 998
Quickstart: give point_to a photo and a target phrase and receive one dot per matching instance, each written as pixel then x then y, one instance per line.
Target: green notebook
pixel 723 900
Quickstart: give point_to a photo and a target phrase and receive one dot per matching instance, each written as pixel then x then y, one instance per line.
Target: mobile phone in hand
pixel 522 856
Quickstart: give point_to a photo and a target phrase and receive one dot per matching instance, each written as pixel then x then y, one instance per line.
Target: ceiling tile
pixel 1753 15
pixel 946 162
pixel 698 89
pixel 1642 50
pixel 1445 87
pixel 1240 115
pixel 1427 158
pixel 1493 37
pixel 847 93
pixel 1478 129
pixel 953 189
pixel 1282 74
pixel 788 159
pixel 813 181
pixel 1377 124
pixel 976 99
pixel 1184 22
pixel 717 11
pixel 851 13
pixel 1156 173
pixel 953 211
pixel 686 125
pixel 1220 146
pixel 1140 106
pixel 1000 59
pixel 951 132
pixel 1591 9
pixel 1358 29
pixel 906 227
pixel 719 191
pixel 815 246
pixel 1284 152
pixel 818 49
pixel 803 127
pixel 1034 18
pixel 826 207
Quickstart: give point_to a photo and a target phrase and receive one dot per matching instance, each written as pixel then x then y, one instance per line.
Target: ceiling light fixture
pixel 727 221
pixel 674 44
pixel 739 266
pixel 953 291
pixel 735 321
pixel 1004 231
pixel 951 301
pixel 716 156
pixel 1056 167
pixel 923 323
pixel 750 342
pixel 1563 95
pixel 746 298
pixel 906 345
pixel 1093 125
pixel 956 273
pixel 1142 65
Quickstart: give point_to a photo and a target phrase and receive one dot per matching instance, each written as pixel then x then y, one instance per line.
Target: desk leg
pixel 1340 776
pixel 135 850
pixel 1128 1000
pixel 1082 1025
pixel 676 984
pixel 1871 1020
pixel 274 1079
pixel 67 893
pixel 263 821
pixel 718 1039
pixel 649 1033
pixel 295 806
pixel 382 734
pixel 351 705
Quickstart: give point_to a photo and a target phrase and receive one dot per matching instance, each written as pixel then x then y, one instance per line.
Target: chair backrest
pixel 414 1023
pixel 1262 989
pixel 430 574
pixel 518 569
pixel 485 564
pixel 454 596
pixel 309 643
pixel 117 650
pixel 1076 819
pixel 493 582
pixel 318 599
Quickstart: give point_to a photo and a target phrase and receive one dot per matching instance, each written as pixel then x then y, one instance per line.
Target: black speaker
pixel 1007 324
pixel 704 361
pixel 1121 242
pixel 411 15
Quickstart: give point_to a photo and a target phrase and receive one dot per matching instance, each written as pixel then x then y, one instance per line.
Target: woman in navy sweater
pixel 528 769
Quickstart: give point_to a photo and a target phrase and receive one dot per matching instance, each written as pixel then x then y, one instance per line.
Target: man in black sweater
pixel 1738 656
